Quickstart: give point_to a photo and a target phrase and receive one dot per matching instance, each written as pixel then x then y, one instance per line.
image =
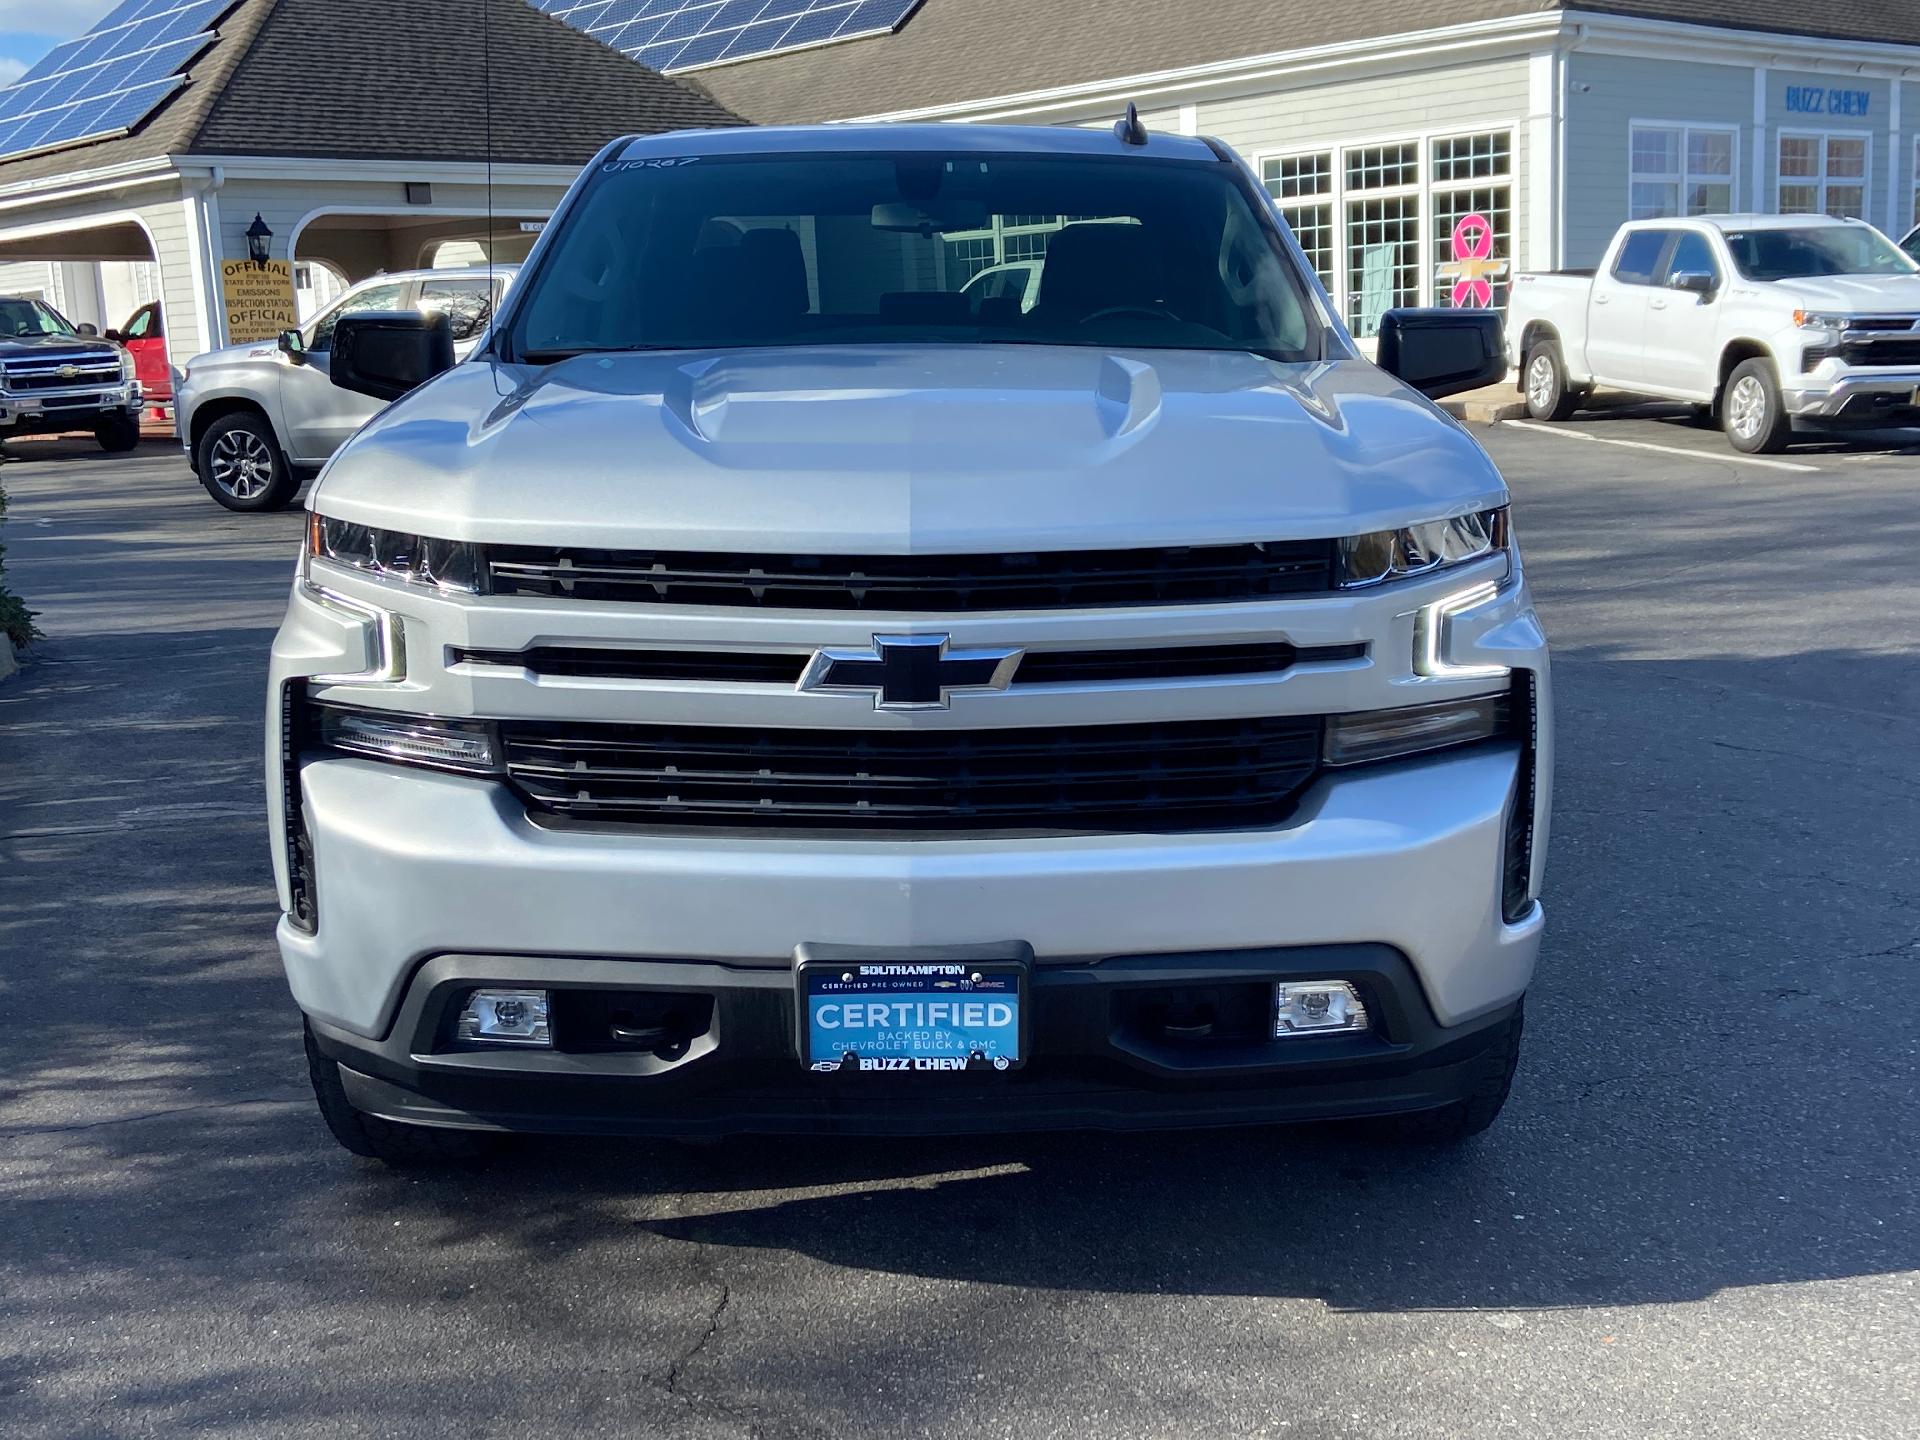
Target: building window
pixel 1916 182
pixel 1472 184
pixel 1382 223
pixel 1823 174
pixel 1681 170
pixel 1303 187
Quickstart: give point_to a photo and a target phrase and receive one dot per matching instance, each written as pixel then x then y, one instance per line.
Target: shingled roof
pixel 397 79
pixel 956 51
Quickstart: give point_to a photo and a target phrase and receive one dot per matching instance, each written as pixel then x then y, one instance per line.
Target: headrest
pixel 1092 267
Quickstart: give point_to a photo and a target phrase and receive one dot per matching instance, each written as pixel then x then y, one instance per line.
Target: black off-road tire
pixel 117 434
pixel 240 462
pixel 1751 411
pixel 384 1140
pixel 1466 1118
pixel 1543 381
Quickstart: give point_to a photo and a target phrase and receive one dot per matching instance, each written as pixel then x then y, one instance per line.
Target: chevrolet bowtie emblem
pixel 68 372
pixel 909 672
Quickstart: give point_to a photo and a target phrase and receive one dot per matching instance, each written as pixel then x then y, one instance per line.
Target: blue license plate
pixel 912 1017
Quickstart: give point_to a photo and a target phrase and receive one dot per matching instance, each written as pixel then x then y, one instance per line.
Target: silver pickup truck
pixel 768 687
pixel 256 419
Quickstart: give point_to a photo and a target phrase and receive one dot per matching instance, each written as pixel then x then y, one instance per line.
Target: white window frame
pixel 1425 189
pixel 1822 180
pixel 1430 187
pixel 1329 197
pixel 1682 178
pixel 1913 189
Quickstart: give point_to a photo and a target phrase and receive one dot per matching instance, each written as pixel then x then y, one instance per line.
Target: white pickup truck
pixel 1763 321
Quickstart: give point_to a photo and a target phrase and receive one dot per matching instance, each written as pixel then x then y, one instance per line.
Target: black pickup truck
pixel 54 379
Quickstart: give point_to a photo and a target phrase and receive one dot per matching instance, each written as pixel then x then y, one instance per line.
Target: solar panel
pixel 684 34
pixel 111 78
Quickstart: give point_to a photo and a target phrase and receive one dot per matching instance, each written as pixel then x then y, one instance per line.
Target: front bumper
pixel 1100 1059
pixel 68 410
pixel 1885 395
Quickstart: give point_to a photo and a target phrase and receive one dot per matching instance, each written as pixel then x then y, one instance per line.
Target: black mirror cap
pixel 387 353
pixel 113 335
pixel 88 329
pixel 1442 352
pixel 293 345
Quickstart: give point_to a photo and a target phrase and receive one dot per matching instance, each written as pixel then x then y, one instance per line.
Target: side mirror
pixel 1442 352
pixel 385 354
pixel 292 345
pixel 1694 282
pixel 113 335
pixel 91 331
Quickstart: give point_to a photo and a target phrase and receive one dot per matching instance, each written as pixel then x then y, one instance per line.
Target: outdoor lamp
pixel 259 241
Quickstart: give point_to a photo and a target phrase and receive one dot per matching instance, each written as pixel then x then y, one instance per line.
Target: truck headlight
pixel 470 747
pixel 1821 320
pixel 414 559
pixel 1385 555
pixel 128 371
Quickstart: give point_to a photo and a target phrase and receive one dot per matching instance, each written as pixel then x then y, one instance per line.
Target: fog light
pixel 506 1017
pixel 1316 1005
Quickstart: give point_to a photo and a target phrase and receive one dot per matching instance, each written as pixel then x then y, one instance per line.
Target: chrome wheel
pixel 1747 407
pixel 242 464
pixel 1541 384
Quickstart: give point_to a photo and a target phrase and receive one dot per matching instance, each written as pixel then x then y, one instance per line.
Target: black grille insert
pixel 1052 580
pixel 1198 774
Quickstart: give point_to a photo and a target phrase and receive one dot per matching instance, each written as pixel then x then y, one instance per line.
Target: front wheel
pixel 384 1140
pixel 1755 419
pixel 117 434
pixel 1549 397
pixel 242 465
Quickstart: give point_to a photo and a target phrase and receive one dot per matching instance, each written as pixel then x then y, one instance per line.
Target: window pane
pixel 1714 197
pixel 1709 152
pixel 1472 157
pixel 1847 157
pixel 1472 246
pixel 1847 200
pixel 1383 259
pixel 1294 176
pixel 1312 226
pixel 1799 199
pixel 1376 167
pixel 1656 152
pixel 1654 198
pixel 1799 155
pixel 1692 255
pixel 1639 254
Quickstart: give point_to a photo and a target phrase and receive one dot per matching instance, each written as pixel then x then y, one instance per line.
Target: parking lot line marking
pixel 1734 456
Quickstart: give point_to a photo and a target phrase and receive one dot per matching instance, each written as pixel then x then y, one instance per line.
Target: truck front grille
pixel 1881 352
pixel 43 373
pixel 1188 775
pixel 1047 580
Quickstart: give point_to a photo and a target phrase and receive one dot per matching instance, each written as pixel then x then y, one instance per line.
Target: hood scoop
pixel 1128 392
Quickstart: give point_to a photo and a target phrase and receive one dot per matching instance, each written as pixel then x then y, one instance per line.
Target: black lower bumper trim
pixel 1106 1054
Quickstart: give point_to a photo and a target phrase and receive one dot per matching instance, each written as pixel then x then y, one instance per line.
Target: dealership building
pixel 1423 150
pixel 204 153
pixel 1416 146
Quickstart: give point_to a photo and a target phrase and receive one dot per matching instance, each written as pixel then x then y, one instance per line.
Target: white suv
pixel 255 418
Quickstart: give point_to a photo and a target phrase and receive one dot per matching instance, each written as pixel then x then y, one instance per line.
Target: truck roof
pixel 1747 222
pixel 855 139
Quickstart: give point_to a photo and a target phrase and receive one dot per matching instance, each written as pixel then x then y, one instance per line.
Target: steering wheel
pixel 1152 312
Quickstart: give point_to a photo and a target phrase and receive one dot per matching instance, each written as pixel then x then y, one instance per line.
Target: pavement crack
pixel 670 1383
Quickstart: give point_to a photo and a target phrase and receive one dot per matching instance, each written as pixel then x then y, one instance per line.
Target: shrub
pixel 16 621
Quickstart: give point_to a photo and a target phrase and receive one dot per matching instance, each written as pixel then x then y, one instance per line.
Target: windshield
pixel 880 249
pixel 1817 250
pixel 30 317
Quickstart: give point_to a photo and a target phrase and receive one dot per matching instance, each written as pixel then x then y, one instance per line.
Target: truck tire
pixel 1751 410
pixel 117 434
pixel 1466 1118
pixel 1549 397
pixel 241 463
pixel 384 1140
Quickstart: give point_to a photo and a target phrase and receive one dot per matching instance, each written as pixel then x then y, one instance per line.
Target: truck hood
pixel 1854 294
pixel 234 355
pixel 53 346
pixel 905 450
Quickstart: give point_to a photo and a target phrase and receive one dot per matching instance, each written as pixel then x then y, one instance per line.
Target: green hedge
pixel 16 620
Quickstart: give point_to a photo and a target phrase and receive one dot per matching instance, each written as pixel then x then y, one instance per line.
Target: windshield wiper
pixel 553 355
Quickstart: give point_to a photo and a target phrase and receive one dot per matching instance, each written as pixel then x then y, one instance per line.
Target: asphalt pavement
pixel 1698 1216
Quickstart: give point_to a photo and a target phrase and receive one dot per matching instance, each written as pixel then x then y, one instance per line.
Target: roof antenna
pixel 1131 130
